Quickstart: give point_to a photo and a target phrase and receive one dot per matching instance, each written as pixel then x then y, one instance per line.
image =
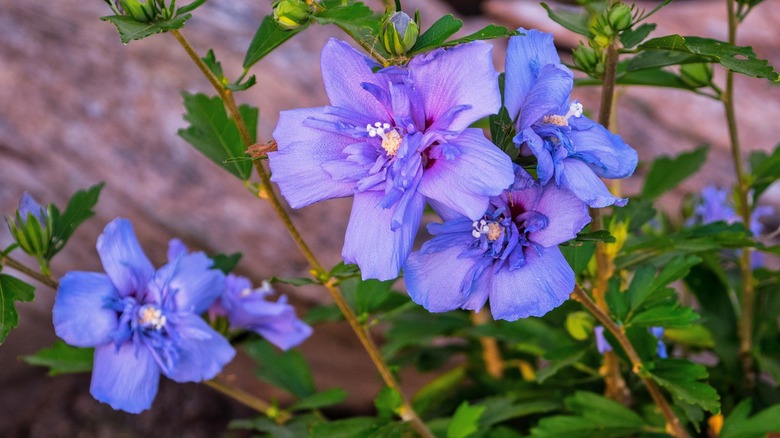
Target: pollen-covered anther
pixel 151 316
pixel 494 231
pixel 391 139
pixel 575 110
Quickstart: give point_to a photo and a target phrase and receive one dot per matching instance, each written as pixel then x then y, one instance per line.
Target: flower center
pixel 391 139
pixel 491 230
pixel 575 110
pixel 150 316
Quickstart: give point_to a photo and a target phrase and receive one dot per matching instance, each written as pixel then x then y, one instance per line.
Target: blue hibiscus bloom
pixel 142 323
pixel 509 256
pixel 570 148
pixel 394 138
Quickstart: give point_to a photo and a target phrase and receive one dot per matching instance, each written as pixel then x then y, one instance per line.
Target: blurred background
pixel 77 107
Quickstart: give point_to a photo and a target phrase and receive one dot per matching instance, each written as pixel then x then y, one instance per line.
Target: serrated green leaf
pixel 130 29
pixel 215 135
pixel 319 400
pixel 371 294
pixel 357 20
pixel 739 59
pixel 502 408
pixel 356 427
pixel 465 421
pixel 214 66
pixel 578 256
pixel 573 19
pixel 595 416
pixel 12 290
pixel 61 358
pixel 268 37
pixel 559 359
pixel 437 34
pixel 670 315
pixel 682 379
pixel 596 236
pixel 287 370
pixel 652 59
pixel 760 425
pixel 667 172
pixel 631 37
pixel 388 403
pixel 226 262
pixel 80 208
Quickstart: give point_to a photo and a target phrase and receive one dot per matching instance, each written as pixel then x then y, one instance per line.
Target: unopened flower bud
pixel 586 58
pixel 291 14
pixel 400 33
pixel 31 227
pixel 139 10
pixel 619 17
pixel 696 75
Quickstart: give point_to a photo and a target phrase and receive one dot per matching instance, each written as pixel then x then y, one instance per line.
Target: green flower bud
pixel 619 17
pixel 143 11
pixel 696 75
pixel 31 227
pixel 291 14
pixel 586 58
pixel 399 34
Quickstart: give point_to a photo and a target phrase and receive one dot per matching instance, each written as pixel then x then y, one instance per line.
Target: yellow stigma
pixel 555 120
pixel 391 141
pixel 494 231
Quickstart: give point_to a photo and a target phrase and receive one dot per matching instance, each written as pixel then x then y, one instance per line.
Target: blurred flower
pixel 394 139
pixel 141 322
pixel 569 147
pixel 603 345
pixel 509 256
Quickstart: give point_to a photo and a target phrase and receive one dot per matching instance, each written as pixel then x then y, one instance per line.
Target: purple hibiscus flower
pixel 141 322
pixel 248 308
pixel 394 139
pixel 509 256
pixel 569 147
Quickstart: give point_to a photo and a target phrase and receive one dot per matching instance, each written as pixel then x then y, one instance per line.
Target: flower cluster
pixel 144 323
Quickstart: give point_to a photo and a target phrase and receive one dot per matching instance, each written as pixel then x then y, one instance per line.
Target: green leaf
pixel 696 335
pixel 357 20
pixel 356 427
pixel 388 403
pixel 578 256
pixel 371 294
pixel 667 172
pixel 437 34
pixel 319 400
pixel 558 360
pixel 294 281
pixel 190 7
pixel 465 421
pixel 436 391
pixel 268 37
pixel 342 270
pixel 502 131
pixel 488 32
pixel 226 262
pixel 502 408
pixel 739 59
pixel 739 425
pixel 319 314
pixel 287 370
pixel 61 358
pixel 631 37
pixel 298 427
pixel 214 66
pixel 644 286
pixel 570 18
pixel 682 379
pixel 661 58
pixel 12 290
pixel 130 29
pixel 215 135
pixel 765 170
pixel 595 416
pixel 79 209
pixel 670 315
pixel 596 236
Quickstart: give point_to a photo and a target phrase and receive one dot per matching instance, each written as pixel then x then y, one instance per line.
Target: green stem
pixel 673 425
pixel 748 295
pixel 12 263
pixel 247 399
pixel 330 283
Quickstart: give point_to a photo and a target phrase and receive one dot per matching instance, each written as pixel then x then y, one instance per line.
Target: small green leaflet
pixel 268 37
pixel 437 35
pixel 61 358
pixel 739 425
pixel 465 421
pixel 130 29
pixel 569 18
pixel 226 262
pixel 79 209
pixel 12 290
pixel 683 379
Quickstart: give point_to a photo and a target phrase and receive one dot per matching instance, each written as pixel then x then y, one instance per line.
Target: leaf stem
pixel 247 399
pixel 44 279
pixel 331 284
pixel 673 425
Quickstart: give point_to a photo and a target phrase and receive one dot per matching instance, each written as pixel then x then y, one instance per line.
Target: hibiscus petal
pixel 80 315
pixel 126 379
pixel 545 167
pixel 444 83
pixel 202 351
pixel 580 179
pixel 549 93
pixel 276 322
pixel 344 70
pixel 544 283
pixel 194 285
pixel 123 259
pixel 606 153
pixel 435 280
pixel 297 165
pixel 525 57
pixel 466 182
pixel 371 243
pixel 566 216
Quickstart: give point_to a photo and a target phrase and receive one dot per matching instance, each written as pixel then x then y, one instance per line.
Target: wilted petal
pixel 580 179
pixel 344 70
pixel 435 280
pixel 80 315
pixel 544 283
pixel 371 243
pixel 126 379
pixel 525 57
pixel 549 93
pixel 465 183
pixel 202 351
pixel 123 259
pixel 566 216
pixel 443 81
pixel 606 153
pixel 192 282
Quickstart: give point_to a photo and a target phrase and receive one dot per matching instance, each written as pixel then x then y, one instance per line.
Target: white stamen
pixel 491 230
pixel 391 139
pixel 245 292
pixel 575 110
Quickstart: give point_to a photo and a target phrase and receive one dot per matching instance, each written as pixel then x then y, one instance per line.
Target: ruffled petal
pixel 127 378
pixel 544 283
pixel 276 322
pixel 566 216
pixel 202 351
pixel 444 82
pixel 81 317
pixel 580 179
pixel 550 92
pixel 435 280
pixel 465 182
pixel 606 153
pixel 297 166
pixel 372 244
pixel 123 259
pixel 191 281
pixel 545 167
pixel 525 57
pixel 344 70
